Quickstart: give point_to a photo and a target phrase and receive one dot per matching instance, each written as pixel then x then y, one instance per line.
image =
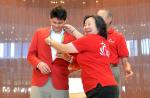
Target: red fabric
pixel 94 61
pixel 40 51
pixel 74 66
pixel 117 45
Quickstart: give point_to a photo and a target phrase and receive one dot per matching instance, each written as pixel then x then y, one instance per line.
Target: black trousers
pixel 103 92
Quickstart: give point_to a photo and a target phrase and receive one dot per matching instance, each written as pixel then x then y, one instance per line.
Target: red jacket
pixel 40 51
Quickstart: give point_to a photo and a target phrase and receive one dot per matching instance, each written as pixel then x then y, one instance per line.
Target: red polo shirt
pixel 94 61
pixel 117 45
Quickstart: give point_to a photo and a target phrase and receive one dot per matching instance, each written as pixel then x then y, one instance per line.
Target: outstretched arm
pixel 69 28
pixel 63 48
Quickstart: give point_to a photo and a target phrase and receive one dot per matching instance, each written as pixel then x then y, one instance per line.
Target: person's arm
pixel 123 54
pixel 69 28
pixel 127 67
pixel 63 48
pixel 65 56
pixel 33 58
pixel 32 52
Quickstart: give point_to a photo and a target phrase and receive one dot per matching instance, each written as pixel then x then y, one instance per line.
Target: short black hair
pixel 100 24
pixel 58 12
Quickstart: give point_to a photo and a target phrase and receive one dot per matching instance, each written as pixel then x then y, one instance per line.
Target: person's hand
pixel 128 74
pixel 44 68
pixel 65 56
pixel 47 40
pixel 69 28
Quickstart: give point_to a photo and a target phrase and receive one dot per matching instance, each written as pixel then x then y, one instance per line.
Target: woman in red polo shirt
pixel 93 57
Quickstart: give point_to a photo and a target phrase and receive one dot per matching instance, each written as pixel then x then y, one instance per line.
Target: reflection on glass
pixel 12 49
pixel 1 50
pixel 18 48
pixel 145 46
pixel 6 89
pixel 132 47
pixel 25 49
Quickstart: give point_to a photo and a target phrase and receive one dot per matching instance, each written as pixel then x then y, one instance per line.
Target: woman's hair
pixel 100 24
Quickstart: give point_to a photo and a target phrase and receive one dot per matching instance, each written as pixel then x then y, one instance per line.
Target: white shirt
pixel 57 37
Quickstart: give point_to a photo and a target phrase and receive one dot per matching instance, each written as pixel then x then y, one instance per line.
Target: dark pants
pixel 103 92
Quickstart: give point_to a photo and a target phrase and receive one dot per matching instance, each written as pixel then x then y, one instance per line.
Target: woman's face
pixel 90 26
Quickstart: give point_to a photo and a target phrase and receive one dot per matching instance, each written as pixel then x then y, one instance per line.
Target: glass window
pixel 18 48
pixel 12 50
pixel 1 50
pixel 132 47
pixel 25 49
pixel 145 46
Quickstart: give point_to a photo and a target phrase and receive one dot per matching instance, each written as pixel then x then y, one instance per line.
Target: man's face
pixel 57 24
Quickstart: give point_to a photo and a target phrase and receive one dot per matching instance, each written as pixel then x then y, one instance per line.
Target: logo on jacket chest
pixel 104 50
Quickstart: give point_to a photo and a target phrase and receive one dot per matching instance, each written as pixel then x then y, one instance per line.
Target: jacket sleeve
pixel 32 55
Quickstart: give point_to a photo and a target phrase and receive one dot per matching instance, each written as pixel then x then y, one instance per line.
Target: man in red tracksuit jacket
pixel 50 74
